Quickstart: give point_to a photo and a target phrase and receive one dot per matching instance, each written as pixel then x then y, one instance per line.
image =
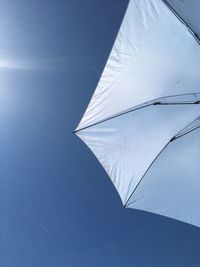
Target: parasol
pixel 143 121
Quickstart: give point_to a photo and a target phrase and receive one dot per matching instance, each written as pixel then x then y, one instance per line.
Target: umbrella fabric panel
pixel 154 55
pixel 127 144
pixel 171 186
pixel 189 11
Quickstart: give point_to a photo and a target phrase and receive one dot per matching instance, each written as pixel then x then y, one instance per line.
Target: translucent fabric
pixel 143 121
pixel 154 55
pixel 172 185
pixel 127 145
pixel 189 11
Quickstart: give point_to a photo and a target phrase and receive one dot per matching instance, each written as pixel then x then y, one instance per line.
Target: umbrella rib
pixel 194 34
pixel 193 129
pixel 147 104
pixel 113 117
pixel 171 140
pixel 125 205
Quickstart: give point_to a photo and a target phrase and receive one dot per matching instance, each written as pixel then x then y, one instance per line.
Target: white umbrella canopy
pixel 143 121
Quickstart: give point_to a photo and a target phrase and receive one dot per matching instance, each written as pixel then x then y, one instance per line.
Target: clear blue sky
pixel 58 208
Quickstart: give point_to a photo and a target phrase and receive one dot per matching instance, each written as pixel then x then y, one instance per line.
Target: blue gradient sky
pixel 57 205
